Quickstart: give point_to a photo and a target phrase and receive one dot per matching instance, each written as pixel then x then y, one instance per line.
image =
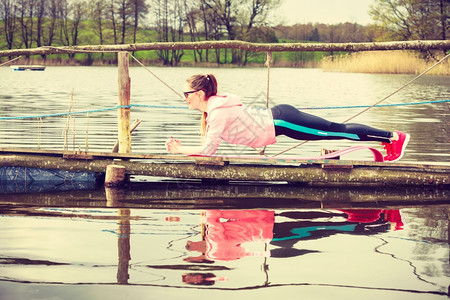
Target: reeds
pixel 387 62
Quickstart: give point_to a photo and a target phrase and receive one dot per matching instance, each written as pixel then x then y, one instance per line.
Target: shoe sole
pixel 405 143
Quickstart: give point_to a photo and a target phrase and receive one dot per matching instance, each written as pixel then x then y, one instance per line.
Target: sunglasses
pixel 186 94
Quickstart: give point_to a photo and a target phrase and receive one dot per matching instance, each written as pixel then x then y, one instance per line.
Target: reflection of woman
pixel 391 216
pixel 227 233
pixel 199 278
pixel 226 118
pixel 357 221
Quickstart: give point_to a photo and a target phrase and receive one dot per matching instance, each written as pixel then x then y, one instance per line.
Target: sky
pixel 323 11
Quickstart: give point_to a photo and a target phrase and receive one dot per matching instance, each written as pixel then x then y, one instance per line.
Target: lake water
pixel 95 88
pixel 181 239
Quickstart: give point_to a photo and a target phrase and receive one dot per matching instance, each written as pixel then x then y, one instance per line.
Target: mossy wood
pixel 236 44
pixel 313 173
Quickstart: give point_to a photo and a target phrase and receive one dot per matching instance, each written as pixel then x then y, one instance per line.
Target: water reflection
pixel 123 242
pixel 300 241
pixel 232 235
pixel 236 249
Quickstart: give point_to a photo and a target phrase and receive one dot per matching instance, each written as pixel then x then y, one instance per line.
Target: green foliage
pixel 412 19
pixel 90 22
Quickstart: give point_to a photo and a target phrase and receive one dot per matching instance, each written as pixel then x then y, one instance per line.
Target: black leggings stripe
pixel 298 125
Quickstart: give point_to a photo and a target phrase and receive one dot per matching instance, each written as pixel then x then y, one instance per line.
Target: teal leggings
pixel 298 125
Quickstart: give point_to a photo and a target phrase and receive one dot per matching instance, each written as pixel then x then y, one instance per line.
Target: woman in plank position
pixel 226 118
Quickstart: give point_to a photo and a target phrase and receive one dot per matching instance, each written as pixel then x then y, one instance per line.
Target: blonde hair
pixel 208 84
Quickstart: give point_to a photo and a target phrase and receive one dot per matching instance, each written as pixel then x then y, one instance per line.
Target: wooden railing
pixel 255 47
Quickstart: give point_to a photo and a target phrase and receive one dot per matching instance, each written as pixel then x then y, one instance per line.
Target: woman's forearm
pixel 174 146
pixel 189 150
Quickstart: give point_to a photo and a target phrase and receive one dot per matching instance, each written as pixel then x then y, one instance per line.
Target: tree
pixel 26 19
pixel 53 15
pixel 63 14
pixel 238 17
pixel 123 10
pixel 78 15
pixel 194 21
pixel 170 21
pixel 112 18
pixel 97 13
pixel 40 16
pixel 315 36
pixel 413 19
pixel 254 14
pixel 8 12
pixel 138 10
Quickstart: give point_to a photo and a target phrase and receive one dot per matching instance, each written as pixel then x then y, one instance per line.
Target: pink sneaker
pixel 388 148
pixel 396 149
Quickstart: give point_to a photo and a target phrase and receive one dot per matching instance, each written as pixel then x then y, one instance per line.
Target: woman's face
pixel 193 98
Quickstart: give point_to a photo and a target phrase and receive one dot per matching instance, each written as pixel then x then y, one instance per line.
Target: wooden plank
pixel 236 44
pixel 260 160
pixel 310 174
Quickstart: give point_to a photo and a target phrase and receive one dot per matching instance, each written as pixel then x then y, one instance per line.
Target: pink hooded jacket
pixel 230 232
pixel 229 120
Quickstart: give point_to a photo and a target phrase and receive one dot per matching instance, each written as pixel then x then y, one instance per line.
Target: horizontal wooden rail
pixel 235 44
pixel 311 173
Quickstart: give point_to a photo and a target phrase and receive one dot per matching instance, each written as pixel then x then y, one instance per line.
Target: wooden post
pixel 136 123
pixel 124 138
pixel 115 176
pixel 114 196
pixel 124 135
pixel 123 244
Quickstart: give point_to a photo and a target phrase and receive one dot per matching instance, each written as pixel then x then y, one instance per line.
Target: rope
pixel 372 106
pixel 10 61
pixel 377 105
pixel 185 107
pixel 267 63
pixel 268 60
pixel 154 75
pixel 399 89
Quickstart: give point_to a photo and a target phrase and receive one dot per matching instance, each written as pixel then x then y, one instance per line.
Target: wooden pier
pixel 324 173
pixel 330 172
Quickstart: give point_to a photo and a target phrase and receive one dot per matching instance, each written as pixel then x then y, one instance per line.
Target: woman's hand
pixel 173 145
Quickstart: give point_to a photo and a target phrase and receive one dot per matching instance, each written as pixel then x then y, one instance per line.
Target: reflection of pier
pixel 123 244
pixel 194 195
pixel 308 224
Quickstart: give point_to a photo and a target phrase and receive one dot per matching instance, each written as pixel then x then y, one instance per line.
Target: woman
pixel 226 118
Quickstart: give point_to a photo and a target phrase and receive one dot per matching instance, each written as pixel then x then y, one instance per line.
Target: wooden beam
pixel 236 44
pixel 311 173
pixel 124 134
pixel 223 160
